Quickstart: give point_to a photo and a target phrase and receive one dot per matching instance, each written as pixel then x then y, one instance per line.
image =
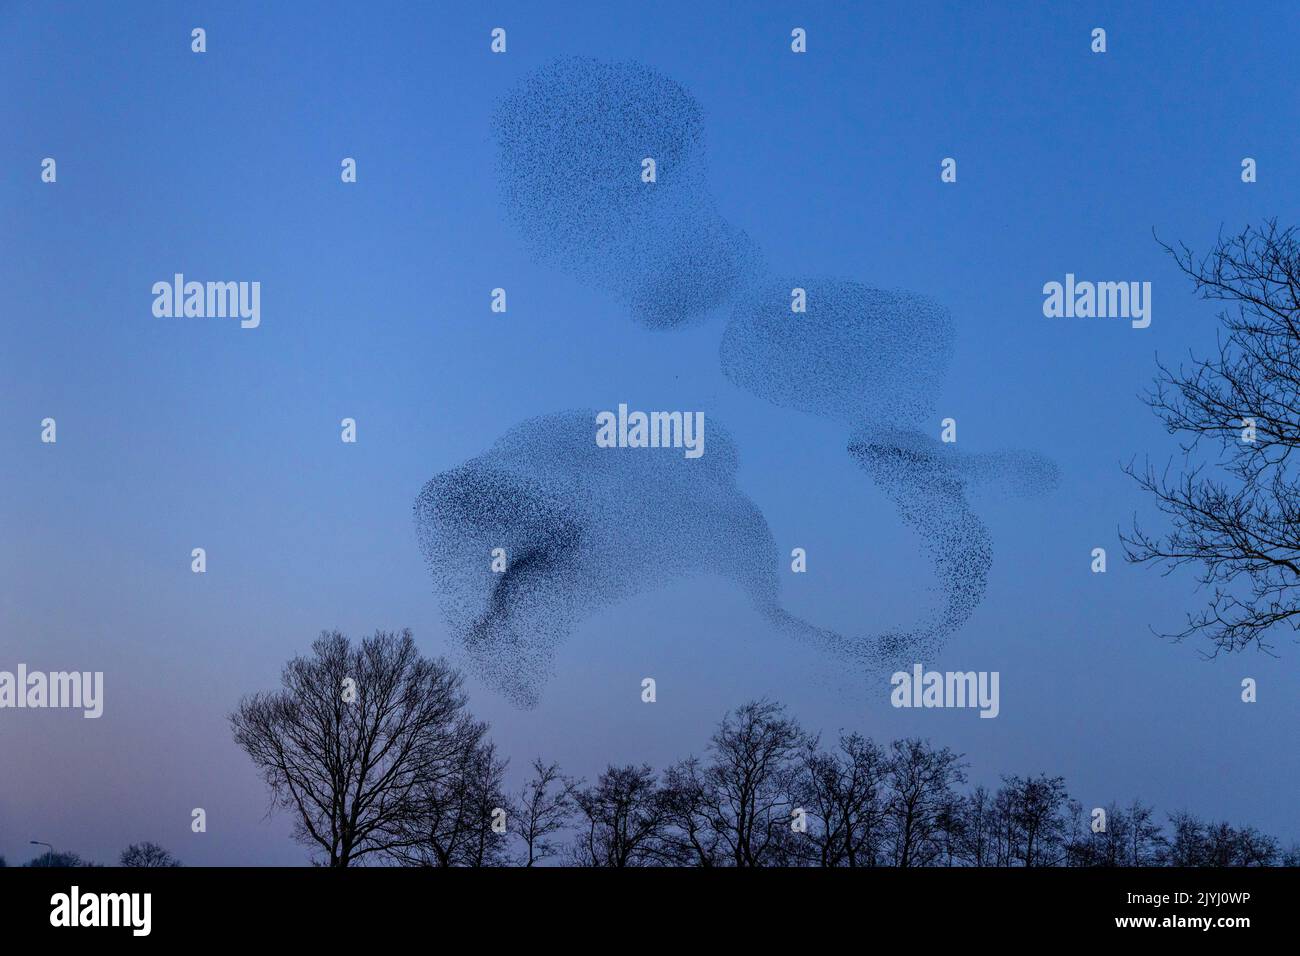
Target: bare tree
pixel 352 736
pixel 625 819
pixel 950 825
pixel 1146 841
pixel 921 789
pixel 542 809
pixel 1253 848
pixel 1197 843
pixel 1220 843
pixel 692 837
pixel 1187 847
pixel 1106 846
pixel 1037 809
pixel 845 793
pixel 750 782
pixel 1235 503
pixel 459 814
pixel 977 837
pixel 1006 834
pixel 147 854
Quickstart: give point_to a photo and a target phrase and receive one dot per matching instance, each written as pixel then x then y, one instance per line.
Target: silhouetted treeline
pixel 137 854
pixel 372 748
pixel 768 794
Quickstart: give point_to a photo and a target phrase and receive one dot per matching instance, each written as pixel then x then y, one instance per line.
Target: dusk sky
pixel 177 433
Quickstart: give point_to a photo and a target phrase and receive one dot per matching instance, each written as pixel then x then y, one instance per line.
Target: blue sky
pixel 176 434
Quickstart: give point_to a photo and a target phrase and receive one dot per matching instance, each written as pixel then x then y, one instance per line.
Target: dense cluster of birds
pixel 573 138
